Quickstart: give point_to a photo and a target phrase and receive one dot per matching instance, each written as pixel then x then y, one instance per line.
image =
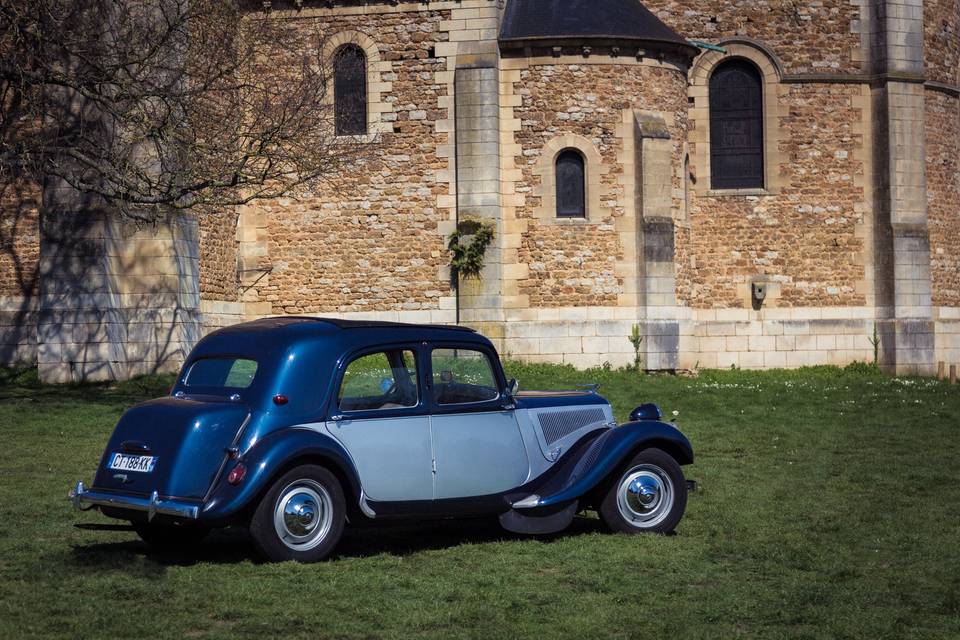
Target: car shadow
pixel 233 545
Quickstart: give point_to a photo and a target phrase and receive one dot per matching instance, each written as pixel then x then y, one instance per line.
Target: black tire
pixel 306 500
pixel 649 494
pixel 167 538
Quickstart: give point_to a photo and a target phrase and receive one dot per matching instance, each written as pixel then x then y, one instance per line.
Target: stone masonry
pixel 856 227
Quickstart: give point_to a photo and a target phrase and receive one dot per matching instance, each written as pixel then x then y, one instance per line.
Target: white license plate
pixel 125 462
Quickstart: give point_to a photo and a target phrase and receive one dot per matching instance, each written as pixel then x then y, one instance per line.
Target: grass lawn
pixel 829 507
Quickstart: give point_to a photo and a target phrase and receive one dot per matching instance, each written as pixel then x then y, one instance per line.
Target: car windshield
pixel 231 373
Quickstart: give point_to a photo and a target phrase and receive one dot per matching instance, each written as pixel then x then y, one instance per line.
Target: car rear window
pixel 232 373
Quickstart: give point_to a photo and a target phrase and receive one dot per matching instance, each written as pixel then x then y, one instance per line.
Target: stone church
pixel 754 184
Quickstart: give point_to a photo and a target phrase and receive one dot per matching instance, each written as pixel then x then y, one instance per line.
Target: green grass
pixel 828 507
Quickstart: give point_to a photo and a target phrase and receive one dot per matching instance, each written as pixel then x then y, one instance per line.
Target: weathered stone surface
pixel 574 264
pixel 805 235
pixel 941 40
pixel 943 195
pixel 809 37
pixel 859 220
pixel 372 243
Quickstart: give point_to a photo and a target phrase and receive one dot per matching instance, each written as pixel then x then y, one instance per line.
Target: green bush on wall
pixel 467 257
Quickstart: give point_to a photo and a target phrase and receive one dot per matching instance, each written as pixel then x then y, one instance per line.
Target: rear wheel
pixel 301 517
pixel 170 537
pixel 650 495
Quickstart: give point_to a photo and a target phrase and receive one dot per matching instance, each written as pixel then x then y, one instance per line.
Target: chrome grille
pixel 559 424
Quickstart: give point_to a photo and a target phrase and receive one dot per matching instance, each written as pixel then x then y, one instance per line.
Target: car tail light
pixel 237 474
pixel 280 399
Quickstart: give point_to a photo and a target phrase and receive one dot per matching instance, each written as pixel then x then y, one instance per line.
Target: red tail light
pixel 280 399
pixel 237 474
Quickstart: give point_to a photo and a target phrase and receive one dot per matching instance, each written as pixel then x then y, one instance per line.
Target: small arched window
pixel 736 126
pixel 350 90
pixel 571 185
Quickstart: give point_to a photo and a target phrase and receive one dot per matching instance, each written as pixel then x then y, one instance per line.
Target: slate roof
pixel 542 21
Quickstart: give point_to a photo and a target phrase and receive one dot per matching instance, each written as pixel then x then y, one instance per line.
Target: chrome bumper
pixel 83 499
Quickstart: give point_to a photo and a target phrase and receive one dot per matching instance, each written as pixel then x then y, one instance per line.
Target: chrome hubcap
pixel 303 515
pixel 645 496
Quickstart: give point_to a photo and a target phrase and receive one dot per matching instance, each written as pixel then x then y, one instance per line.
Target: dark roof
pixel 610 20
pixel 381 324
pixel 279 322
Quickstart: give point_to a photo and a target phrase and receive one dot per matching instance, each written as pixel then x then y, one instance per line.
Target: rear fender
pixel 270 457
pixel 608 453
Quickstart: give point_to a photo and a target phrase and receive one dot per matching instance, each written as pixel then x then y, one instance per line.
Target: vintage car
pixel 295 426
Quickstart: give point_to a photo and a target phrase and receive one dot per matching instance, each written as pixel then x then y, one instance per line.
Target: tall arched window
pixel 350 90
pixel 571 185
pixel 736 126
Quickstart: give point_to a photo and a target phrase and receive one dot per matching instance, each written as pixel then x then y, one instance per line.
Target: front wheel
pixel 650 495
pixel 301 517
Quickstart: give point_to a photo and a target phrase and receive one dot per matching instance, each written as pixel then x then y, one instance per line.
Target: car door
pixel 477 443
pixel 382 419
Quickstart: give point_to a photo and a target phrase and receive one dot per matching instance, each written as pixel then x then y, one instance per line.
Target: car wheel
pixel 649 495
pixel 168 537
pixel 301 517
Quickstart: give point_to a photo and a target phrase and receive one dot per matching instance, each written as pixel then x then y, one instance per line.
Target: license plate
pixel 125 462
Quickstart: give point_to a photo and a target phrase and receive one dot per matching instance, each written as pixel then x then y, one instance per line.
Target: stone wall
pixel 943 195
pixel 574 262
pixel 117 298
pixel 19 237
pixel 19 259
pixel 809 37
pixel 218 255
pixel 941 40
pixel 806 237
pixel 371 242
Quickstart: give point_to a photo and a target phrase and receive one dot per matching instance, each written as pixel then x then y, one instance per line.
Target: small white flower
pixel 676 413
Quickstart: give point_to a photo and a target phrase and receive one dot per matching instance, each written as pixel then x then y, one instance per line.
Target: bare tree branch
pixel 153 104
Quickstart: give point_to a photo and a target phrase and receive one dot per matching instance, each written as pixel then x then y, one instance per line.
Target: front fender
pixel 266 459
pixel 610 451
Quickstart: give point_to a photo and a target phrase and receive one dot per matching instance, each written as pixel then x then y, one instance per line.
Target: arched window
pixel 571 185
pixel 350 90
pixel 736 126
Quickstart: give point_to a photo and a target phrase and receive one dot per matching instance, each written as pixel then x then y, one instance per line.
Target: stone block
pixel 763 343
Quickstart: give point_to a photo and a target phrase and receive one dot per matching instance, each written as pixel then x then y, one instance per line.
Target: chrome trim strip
pixel 365 506
pixel 228 455
pixel 83 499
pixel 530 502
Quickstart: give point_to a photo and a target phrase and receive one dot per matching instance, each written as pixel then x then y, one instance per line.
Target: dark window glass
pixel 384 380
pixel 350 90
pixel 736 126
pixel 233 373
pixel 571 191
pixel 462 376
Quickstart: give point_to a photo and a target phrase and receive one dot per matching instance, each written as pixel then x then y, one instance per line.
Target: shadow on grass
pixel 24 384
pixel 233 545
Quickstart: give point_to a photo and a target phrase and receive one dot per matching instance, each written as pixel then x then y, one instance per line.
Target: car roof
pixel 332 325
pixel 292 330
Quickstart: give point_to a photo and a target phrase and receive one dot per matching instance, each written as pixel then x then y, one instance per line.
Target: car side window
pixel 380 381
pixel 462 376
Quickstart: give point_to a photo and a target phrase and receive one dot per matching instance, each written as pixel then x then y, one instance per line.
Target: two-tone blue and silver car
pixel 294 427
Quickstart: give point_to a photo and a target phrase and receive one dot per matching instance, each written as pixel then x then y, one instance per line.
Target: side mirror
pixel 647 411
pixel 513 387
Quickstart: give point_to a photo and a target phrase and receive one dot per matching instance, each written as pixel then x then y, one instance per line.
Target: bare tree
pixel 153 105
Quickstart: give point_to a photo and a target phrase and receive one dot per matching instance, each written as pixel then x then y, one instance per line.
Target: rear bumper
pixel 83 499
